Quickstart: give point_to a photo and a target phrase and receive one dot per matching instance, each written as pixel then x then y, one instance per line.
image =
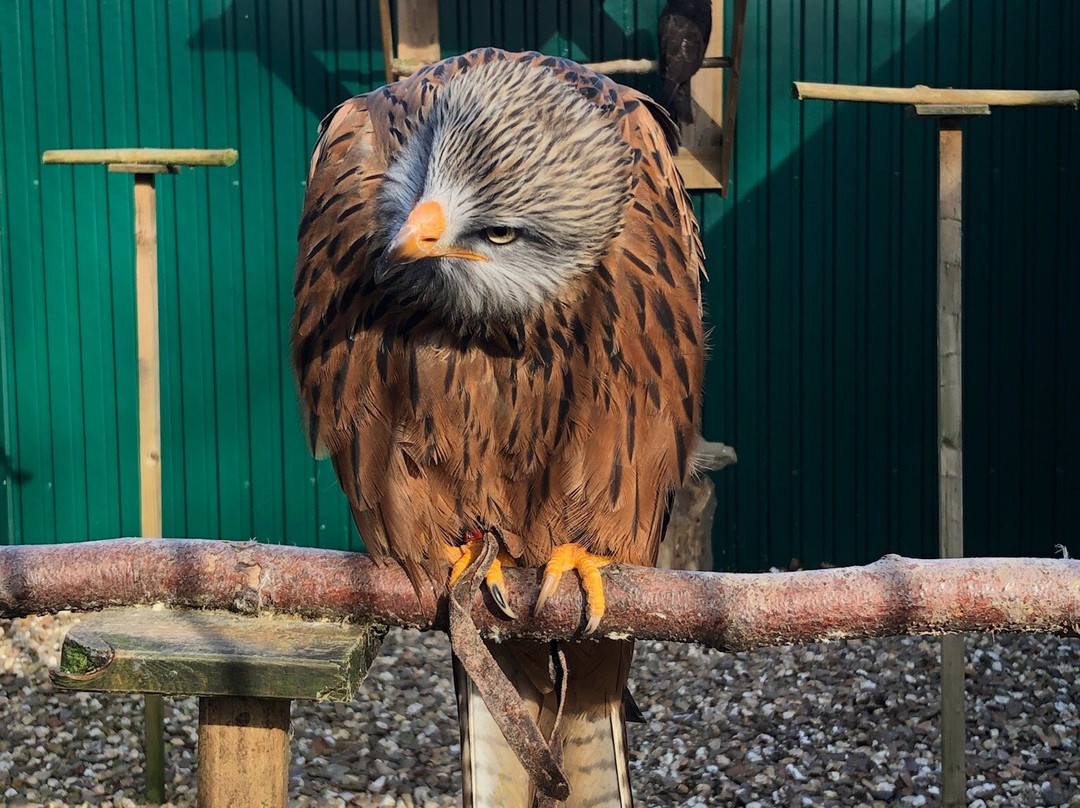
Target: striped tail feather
pixel 593 724
pixel 591 733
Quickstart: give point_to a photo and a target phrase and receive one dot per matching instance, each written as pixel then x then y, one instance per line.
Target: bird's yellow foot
pixel 461 556
pixel 575 557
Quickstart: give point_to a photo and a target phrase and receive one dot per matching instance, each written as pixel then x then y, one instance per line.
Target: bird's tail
pixel 678 102
pixel 589 732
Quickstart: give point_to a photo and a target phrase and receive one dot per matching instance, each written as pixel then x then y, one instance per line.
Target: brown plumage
pixel 538 368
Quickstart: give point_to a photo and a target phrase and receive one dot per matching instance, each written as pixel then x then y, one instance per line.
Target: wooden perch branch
pixel 726 611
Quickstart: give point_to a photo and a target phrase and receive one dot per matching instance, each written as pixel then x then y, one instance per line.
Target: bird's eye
pixel 500 235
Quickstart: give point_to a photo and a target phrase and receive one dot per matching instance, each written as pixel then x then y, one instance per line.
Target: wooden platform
pixel 216 654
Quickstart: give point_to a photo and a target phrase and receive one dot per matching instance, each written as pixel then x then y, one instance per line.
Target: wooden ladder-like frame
pixel 708 144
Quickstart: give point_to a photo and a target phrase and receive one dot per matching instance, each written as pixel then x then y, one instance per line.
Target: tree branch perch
pixel 731 612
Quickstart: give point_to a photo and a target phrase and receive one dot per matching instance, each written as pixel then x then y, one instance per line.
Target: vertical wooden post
pixel 243 752
pixel 418 30
pixel 727 145
pixel 950 443
pixel 387 40
pixel 149 353
pixel 950 432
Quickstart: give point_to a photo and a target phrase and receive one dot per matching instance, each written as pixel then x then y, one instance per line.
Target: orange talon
pixel 575 557
pixel 463 558
pixel 460 557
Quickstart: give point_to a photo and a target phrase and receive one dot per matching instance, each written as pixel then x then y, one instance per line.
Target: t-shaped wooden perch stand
pixel 246 672
pixel 950 107
pixel 145 164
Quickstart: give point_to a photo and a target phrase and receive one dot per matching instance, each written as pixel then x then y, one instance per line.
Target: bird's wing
pixel 333 357
pixel 640 419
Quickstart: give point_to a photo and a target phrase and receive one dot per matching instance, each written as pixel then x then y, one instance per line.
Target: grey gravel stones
pixel 826 725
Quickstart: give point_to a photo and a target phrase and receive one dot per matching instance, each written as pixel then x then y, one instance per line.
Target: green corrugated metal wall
pixel 822 266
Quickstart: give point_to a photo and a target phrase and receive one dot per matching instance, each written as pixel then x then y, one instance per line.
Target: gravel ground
pixel 829 725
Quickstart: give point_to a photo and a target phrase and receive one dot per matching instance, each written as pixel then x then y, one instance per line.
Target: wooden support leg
pixel 154 747
pixel 953 774
pixel 146 288
pixel 243 752
pixel 950 444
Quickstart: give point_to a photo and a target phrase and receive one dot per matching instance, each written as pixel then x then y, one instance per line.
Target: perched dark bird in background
pixel 683 33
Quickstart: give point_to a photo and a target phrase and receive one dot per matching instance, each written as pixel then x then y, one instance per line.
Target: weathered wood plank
pixel 950 110
pixel 699 167
pixel 214 653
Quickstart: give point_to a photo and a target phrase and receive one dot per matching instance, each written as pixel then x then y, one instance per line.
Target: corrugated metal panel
pixel 822 266
pixel 254 75
pixel 824 371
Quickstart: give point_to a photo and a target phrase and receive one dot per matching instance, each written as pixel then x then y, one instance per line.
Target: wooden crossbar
pixel 169 157
pixel 921 94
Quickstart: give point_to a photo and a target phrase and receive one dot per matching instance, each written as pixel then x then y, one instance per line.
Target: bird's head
pixel 512 187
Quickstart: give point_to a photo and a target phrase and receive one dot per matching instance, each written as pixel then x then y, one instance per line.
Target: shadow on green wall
pixel 324 61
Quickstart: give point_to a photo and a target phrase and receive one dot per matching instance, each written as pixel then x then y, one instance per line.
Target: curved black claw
pixel 498 594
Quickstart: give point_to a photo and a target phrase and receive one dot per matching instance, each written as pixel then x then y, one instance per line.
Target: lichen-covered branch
pixel 732 612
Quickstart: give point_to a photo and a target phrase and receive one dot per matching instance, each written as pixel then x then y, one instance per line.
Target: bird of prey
pixel 497 326
pixel 683 35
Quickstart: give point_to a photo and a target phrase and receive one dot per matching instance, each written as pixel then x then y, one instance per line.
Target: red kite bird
pixel 498 323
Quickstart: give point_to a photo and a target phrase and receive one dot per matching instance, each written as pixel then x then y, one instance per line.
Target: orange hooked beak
pixel 419 238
